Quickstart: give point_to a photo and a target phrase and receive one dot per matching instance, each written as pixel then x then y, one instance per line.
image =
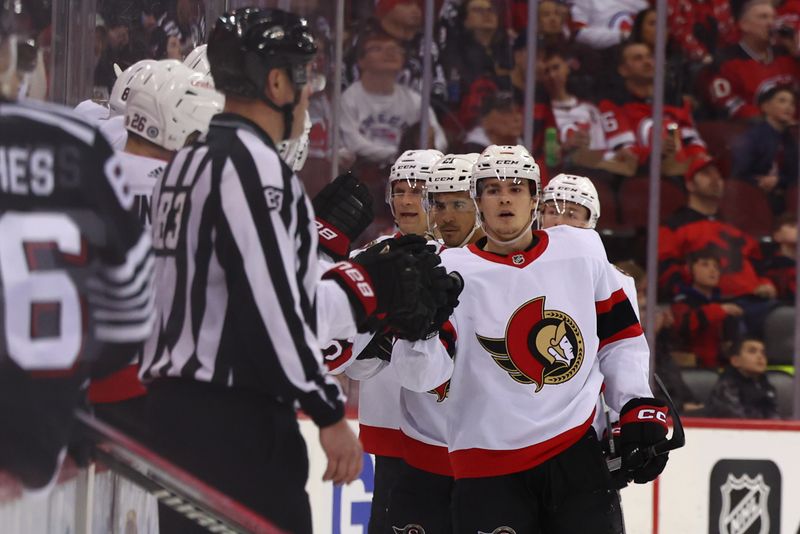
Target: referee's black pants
pixel 242 443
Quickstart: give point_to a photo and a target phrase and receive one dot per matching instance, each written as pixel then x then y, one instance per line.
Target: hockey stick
pixel 171 485
pixel 639 457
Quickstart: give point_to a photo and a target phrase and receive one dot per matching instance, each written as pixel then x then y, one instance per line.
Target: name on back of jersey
pixel 32 170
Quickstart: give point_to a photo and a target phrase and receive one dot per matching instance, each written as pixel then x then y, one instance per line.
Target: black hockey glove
pixel 344 210
pixel 379 347
pixel 385 287
pixel 448 288
pixel 643 422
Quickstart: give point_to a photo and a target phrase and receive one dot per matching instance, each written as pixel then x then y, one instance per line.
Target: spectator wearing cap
pixel 696 227
pixel 753 64
pixel 376 110
pixel 478 45
pixel 402 19
pixel 500 124
pixel 766 153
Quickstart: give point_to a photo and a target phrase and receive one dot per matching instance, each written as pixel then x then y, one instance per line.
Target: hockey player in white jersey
pixel 111 118
pixel 422 495
pixel 542 324
pixel 379 389
pixel 167 106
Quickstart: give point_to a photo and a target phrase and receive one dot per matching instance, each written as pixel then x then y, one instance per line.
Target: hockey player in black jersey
pixel 75 270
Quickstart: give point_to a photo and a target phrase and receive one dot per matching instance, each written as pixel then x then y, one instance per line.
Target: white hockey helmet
pixel 577 189
pixel 168 102
pixel 121 89
pixel 295 151
pixel 505 162
pixel 453 172
pixel 412 165
pixel 197 60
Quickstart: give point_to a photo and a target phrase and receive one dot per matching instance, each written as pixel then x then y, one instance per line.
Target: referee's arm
pixel 270 263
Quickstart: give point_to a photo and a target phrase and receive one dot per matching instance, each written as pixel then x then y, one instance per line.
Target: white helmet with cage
pixel 412 166
pixel 295 151
pixel 122 86
pixel 505 162
pixel 572 188
pixel 168 102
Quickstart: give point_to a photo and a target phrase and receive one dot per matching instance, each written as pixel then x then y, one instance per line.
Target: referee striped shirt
pixel 237 272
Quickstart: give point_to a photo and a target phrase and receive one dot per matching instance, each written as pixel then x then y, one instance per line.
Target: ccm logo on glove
pixel 646 414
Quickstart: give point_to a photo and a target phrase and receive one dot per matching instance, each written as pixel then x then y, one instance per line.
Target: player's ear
pixel 276 88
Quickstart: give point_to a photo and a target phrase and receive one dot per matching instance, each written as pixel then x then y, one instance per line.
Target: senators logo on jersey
pixel 540 347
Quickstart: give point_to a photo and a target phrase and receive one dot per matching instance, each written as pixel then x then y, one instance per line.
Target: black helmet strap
pixel 257 73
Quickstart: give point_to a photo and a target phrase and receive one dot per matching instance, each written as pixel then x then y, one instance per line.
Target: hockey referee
pixel 235 346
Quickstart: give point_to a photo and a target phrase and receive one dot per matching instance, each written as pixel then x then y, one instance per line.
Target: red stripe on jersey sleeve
pixel 604 306
pixel 634 330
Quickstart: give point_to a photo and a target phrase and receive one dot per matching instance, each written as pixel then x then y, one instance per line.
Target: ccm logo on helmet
pixel 506 162
pixel 651 413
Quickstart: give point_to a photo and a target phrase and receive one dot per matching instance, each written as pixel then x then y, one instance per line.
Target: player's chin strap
pixel 518 237
pixel 470 235
pixel 287 110
pixel 641 456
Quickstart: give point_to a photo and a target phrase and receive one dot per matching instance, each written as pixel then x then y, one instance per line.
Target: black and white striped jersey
pixel 237 272
pixel 75 265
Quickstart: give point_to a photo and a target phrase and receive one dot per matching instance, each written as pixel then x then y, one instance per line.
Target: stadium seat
pixel 784 387
pixel 746 207
pixel 779 336
pixel 633 200
pixel 719 136
pixel 700 381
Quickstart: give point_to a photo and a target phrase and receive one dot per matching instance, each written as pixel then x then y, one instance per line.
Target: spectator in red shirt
pixel 702 321
pixel 781 266
pixel 698 27
pixel 753 65
pixel 627 115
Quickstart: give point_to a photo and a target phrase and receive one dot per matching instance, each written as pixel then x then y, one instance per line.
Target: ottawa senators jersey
pixel 537 334
pixel 688 231
pixel 740 78
pixel 628 122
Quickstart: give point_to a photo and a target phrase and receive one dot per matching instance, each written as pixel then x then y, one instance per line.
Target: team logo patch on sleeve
pixel 540 347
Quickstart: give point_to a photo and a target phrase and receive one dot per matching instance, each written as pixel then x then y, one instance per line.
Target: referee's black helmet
pixel 246 44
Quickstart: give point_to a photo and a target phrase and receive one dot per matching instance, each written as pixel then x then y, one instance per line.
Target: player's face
pixel 407 204
pixel 507 206
pixel 752 359
pixel 454 216
pixel 555 213
pixel 705 272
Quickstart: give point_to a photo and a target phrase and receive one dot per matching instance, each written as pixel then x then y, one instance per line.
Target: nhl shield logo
pixel 517 259
pixel 744 505
pixel 409 529
pixel 540 346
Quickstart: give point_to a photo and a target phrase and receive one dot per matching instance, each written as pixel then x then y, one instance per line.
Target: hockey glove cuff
pixel 643 423
pixel 344 210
